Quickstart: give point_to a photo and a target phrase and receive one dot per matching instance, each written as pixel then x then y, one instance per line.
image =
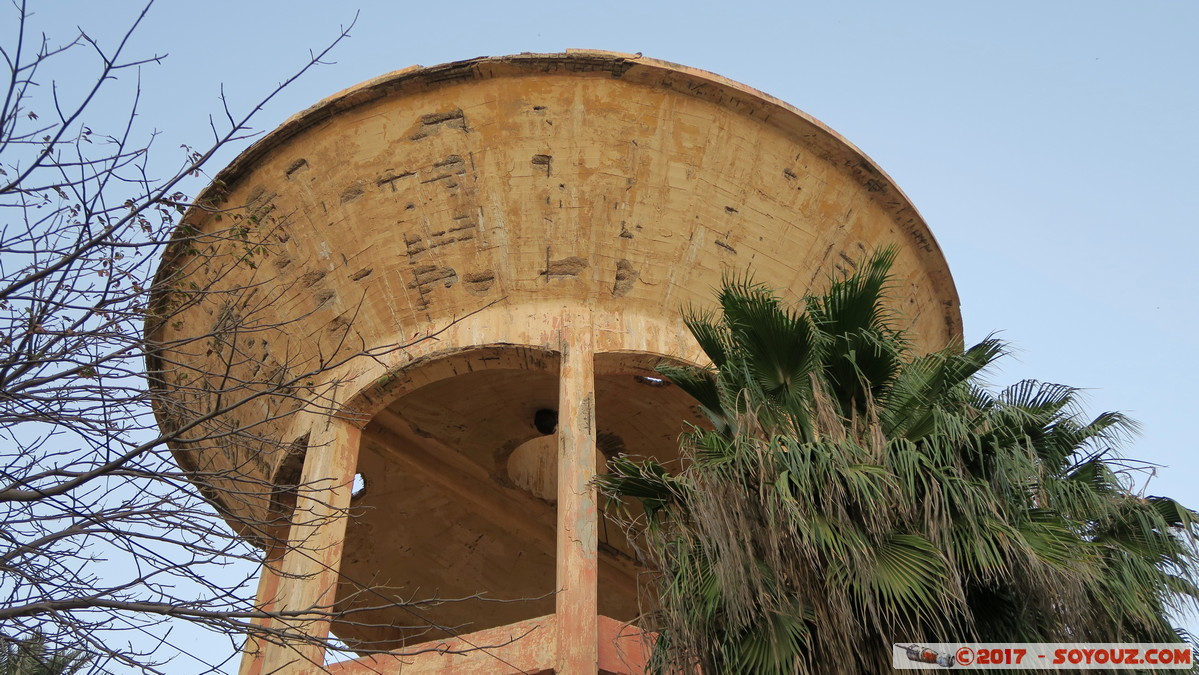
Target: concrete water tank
pixel 454 283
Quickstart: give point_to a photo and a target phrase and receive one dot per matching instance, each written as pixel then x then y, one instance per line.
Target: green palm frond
pixel 864 350
pixel 647 482
pixel 709 334
pixel 1050 539
pixel 776 345
pixel 1174 514
pixel 908 576
pixel 856 303
pixel 36 656
pixel 933 381
pixel 772 646
pixel 703 386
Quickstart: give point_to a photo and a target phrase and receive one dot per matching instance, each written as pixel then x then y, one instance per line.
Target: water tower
pixel 442 295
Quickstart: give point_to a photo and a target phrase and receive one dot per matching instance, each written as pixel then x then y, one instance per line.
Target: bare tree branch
pixel 106 542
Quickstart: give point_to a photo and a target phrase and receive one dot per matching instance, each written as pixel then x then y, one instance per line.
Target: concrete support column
pixel 266 600
pixel 577 600
pixel 307 581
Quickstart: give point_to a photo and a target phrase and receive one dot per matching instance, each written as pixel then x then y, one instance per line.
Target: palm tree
pixel 34 656
pixel 850 494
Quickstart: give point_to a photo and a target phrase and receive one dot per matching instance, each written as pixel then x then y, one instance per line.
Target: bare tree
pixel 104 542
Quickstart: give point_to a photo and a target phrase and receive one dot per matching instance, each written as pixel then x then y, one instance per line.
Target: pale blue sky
pixel 1048 144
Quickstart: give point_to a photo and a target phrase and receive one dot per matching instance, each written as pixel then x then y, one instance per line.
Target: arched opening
pixel 461 500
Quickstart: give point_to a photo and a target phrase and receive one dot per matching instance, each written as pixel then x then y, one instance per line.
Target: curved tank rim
pixel 468 69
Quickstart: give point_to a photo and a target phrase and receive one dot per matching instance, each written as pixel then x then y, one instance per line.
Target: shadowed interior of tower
pixel 460 496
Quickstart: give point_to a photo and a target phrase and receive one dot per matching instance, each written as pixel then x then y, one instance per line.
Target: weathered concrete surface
pixel 486 202
pixel 526 648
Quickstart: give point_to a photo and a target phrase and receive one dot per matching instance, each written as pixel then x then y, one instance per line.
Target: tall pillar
pixel 267 601
pixel 577 600
pixel 309 569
